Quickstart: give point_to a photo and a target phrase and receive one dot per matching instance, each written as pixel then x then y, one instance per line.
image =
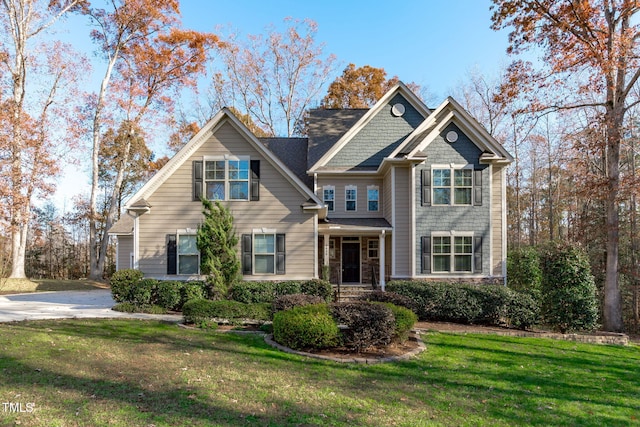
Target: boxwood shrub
pixel 122 282
pixel 306 327
pixel 167 294
pixel 202 310
pixel 267 291
pixel 142 292
pixel 367 324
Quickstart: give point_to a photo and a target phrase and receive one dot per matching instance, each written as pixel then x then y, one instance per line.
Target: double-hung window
pixel 350 197
pixel 188 254
pixel 226 178
pixel 452 254
pixel 373 198
pixel 264 253
pixel 452 186
pixel 329 196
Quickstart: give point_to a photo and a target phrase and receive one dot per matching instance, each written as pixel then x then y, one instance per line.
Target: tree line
pixel 566 108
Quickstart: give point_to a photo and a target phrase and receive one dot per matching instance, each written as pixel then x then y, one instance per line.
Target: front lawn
pixel 16 286
pixel 138 373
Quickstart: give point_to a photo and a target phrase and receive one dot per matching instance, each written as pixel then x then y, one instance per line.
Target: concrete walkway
pixel 67 305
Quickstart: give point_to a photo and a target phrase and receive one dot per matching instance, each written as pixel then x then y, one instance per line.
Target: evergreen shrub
pixel 404 319
pixel 390 297
pixel 287 302
pixel 367 324
pixel 122 282
pixel 306 327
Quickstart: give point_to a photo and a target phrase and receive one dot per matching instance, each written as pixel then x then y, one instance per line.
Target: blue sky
pixel 434 43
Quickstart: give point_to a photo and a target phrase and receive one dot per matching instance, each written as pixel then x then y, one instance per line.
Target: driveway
pixel 67 304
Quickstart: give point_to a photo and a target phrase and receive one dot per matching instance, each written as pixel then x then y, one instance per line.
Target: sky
pixel 434 43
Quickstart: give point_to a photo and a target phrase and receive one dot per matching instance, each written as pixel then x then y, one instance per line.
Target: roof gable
pixel 224 116
pixel 377 133
pixel 450 111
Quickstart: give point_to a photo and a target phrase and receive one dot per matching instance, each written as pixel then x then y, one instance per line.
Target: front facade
pixel 395 191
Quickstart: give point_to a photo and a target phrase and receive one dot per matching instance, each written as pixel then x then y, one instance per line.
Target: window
pixel 372 248
pixel 226 179
pixel 456 182
pixel 328 196
pixel 456 257
pixel 188 254
pixel 373 197
pixel 264 254
pixel 350 197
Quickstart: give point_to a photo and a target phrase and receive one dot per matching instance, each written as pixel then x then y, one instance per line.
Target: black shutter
pixel 477 187
pixel 255 180
pixel 197 180
pixel 426 254
pixel 477 255
pixel 172 254
pixel 246 254
pixel 280 254
pixel 426 187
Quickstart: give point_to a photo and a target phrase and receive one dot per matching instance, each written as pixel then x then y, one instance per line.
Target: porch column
pixel 381 258
pixel 325 254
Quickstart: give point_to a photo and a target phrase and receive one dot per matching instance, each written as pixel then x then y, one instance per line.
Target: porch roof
pixel 354 225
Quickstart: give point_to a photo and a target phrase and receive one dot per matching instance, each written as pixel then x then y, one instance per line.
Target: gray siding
pixel 402 222
pixel 279 208
pixel 340 182
pixel 383 134
pixel 474 219
pixel 125 250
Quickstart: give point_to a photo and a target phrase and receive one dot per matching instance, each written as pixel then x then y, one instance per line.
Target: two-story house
pixel 395 191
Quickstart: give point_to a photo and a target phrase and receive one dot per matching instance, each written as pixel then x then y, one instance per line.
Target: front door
pixel 350 262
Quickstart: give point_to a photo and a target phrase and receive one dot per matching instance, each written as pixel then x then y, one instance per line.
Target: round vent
pixel 452 136
pixel 397 110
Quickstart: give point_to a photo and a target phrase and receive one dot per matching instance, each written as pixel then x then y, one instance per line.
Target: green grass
pixel 13 286
pixel 138 373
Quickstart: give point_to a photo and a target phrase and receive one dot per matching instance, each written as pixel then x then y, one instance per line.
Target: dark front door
pixel 351 263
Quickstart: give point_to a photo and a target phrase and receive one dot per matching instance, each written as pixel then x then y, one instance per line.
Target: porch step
pixel 351 292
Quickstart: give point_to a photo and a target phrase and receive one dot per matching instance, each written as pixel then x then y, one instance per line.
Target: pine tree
pixel 217 241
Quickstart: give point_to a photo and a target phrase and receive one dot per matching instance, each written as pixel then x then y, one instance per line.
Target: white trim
pixel 491 272
pixel 504 224
pixel 382 259
pixel 412 220
pixel 136 243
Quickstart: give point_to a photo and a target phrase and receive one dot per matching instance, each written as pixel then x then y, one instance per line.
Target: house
pixel 397 191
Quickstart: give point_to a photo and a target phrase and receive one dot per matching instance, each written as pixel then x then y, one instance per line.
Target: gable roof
pixel 366 118
pixel 224 116
pixel 450 111
pixel 293 153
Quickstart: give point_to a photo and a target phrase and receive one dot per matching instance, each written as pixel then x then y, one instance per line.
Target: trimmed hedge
pixel 390 297
pixel 121 283
pixel 367 324
pixel 203 310
pixel 287 302
pixel 268 291
pixel 307 327
pixel 464 303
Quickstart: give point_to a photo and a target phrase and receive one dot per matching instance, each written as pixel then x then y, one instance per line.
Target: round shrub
pixel 390 297
pixel 167 294
pixel 307 327
pixel 367 324
pixel 287 302
pixel 569 301
pixel 191 290
pixel 122 282
pixel 404 321
pixel 142 292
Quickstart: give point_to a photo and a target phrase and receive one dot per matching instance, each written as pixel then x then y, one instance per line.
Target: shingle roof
pixel 326 127
pixel 293 153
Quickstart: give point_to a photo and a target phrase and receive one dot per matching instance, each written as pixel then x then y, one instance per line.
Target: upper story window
pixel 373 198
pixel 329 196
pixel 452 186
pixel 226 178
pixel 350 197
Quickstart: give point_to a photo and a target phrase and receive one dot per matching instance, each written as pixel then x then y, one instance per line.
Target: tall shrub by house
pixel 568 290
pixel 523 271
pixel 217 241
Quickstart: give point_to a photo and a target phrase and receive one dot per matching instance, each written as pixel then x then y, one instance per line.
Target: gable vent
pixel 397 110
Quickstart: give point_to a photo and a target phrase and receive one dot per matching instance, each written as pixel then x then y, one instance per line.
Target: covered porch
pixel 355 251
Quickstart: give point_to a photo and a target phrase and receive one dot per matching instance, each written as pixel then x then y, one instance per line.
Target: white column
pixel 325 252
pixel 381 258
